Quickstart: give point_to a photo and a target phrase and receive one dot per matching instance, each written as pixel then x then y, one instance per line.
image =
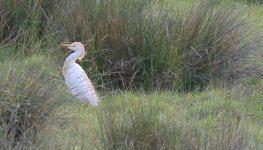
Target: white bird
pixel 76 79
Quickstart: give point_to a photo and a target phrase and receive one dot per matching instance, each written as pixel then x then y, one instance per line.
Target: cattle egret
pixel 76 79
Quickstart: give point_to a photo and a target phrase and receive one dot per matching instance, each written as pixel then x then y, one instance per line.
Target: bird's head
pixel 76 47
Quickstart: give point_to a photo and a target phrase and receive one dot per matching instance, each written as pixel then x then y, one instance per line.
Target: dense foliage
pixel 143 45
pixel 137 44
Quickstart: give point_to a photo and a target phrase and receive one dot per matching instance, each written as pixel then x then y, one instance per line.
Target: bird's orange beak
pixel 65 45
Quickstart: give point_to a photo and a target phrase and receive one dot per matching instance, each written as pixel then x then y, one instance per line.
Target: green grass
pixel 194 67
pixel 213 119
pixel 30 93
pixel 138 44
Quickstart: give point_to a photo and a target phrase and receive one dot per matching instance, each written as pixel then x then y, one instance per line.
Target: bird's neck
pixel 72 57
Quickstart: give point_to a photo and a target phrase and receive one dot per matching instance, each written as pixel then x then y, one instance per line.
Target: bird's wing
pixel 79 84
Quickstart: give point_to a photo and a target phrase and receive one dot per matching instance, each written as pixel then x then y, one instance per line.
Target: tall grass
pixel 30 92
pixel 253 1
pixel 148 44
pixel 213 119
pixel 157 45
pixel 137 44
pixel 23 23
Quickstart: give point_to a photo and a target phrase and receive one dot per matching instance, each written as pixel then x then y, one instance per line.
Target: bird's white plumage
pixel 75 77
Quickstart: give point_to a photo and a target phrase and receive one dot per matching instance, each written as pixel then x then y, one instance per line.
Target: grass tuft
pixel 213 119
pixel 30 92
pixel 152 45
pixel 158 45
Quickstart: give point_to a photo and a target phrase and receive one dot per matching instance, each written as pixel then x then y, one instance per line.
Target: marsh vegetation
pixel 171 74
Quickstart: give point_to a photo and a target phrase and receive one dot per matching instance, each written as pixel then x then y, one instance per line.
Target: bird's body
pixel 75 77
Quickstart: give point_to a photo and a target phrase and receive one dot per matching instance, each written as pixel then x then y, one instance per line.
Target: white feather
pixel 77 80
